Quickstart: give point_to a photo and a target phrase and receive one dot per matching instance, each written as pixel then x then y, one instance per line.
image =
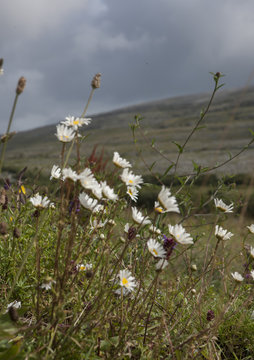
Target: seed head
pixel 96 82
pixel 210 315
pixel 21 85
pixel 3 228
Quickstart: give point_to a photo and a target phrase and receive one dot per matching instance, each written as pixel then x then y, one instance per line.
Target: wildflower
pixel 22 190
pixel 158 208
pixel 89 203
pixel 126 228
pixel 139 218
pixel 55 172
pixel 75 123
pixel 251 228
pixel 167 201
pixel 120 162
pixel 237 277
pixel 252 252
pixel 64 134
pixel 97 225
pixel 39 202
pixel 180 235
pixel 252 274
pixel 168 245
pixel 126 280
pixel 154 230
pixel 223 207
pixel 222 234
pixel 16 304
pixel 48 284
pixel 131 233
pixel 156 249
pixel 132 192
pixel 108 192
pixel 194 267
pixel 87 179
pixel 210 315
pixel 70 174
pixel 161 264
pixel 97 190
pixel 82 267
pixel 130 179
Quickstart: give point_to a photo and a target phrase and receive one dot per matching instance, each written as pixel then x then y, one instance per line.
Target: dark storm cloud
pixel 146 49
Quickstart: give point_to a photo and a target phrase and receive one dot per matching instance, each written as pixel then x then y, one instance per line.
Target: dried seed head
pixel 210 315
pixel 3 228
pixel 7 137
pixel 2 196
pixel 96 82
pixel 1 63
pixel 16 233
pixel 21 85
pixel 13 314
pixel 131 233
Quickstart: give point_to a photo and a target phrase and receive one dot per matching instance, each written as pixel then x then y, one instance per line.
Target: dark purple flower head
pixel 7 184
pixel 210 315
pixel 169 245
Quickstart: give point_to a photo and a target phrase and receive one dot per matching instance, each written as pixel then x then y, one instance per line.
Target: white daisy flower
pixel 47 285
pixel 55 172
pixel 68 173
pixel 64 134
pixel 161 264
pixel 16 304
pixel 126 280
pixel 156 249
pixel 89 203
pixel 97 225
pixel 180 235
pixel 82 267
pixel 75 123
pixel 39 202
pixel 120 162
pixel 87 179
pixel 251 228
pixel 223 207
pixel 252 252
pixel 222 234
pixel 132 192
pixel 167 201
pixel 237 277
pixel 139 218
pixel 158 208
pixel 130 179
pixel 154 230
pixel 252 274
pixel 126 228
pixel 108 192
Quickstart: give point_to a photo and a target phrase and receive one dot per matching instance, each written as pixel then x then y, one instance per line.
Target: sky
pixel 144 49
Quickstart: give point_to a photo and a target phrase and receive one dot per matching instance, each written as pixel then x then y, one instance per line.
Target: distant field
pixel 226 131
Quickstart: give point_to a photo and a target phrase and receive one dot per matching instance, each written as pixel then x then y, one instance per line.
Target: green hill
pixel 226 131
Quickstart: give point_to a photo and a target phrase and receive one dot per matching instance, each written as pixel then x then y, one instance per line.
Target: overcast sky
pixel 145 50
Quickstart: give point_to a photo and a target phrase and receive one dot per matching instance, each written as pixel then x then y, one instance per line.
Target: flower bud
pixel 21 85
pixel 96 82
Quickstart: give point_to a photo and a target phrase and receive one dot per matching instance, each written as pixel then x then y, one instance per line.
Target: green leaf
pixel 167 170
pixel 179 146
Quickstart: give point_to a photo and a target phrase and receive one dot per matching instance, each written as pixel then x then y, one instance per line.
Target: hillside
pixel 226 131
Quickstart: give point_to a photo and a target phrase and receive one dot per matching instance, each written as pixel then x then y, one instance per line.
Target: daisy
pixel 222 234
pixel 154 230
pixel 82 267
pixel 75 123
pixel 161 264
pixel 237 277
pixel 130 179
pixel 68 173
pixel 64 134
pixel 251 228
pixel 108 192
pixel 48 284
pixel 87 179
pixel 167 201
pixel 180 235
pixel 126 280
pixel 139 218
pixel 89 203
pixel 96 190
pixel 156 249
pixel 252 274
pixel 39 202
pixel 132 192
pixel 252 252
pixel 16 304
pixel 55 172
pixel 120 162
pixel 223 207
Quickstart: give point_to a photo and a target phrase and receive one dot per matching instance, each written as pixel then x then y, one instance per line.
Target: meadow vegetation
pixel 98 262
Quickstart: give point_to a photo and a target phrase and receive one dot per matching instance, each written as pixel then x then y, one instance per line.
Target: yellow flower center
pixel 75 122
pixel 158 209
pixel 82 267
pixel 131 181
pixel 22 189
pixel 155 252
pixel 130 192
pixel 124 281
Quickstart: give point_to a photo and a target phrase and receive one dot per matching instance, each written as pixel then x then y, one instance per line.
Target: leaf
pixel 168 169
pixel 179 146
pixel 150 168
pixel 252 132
